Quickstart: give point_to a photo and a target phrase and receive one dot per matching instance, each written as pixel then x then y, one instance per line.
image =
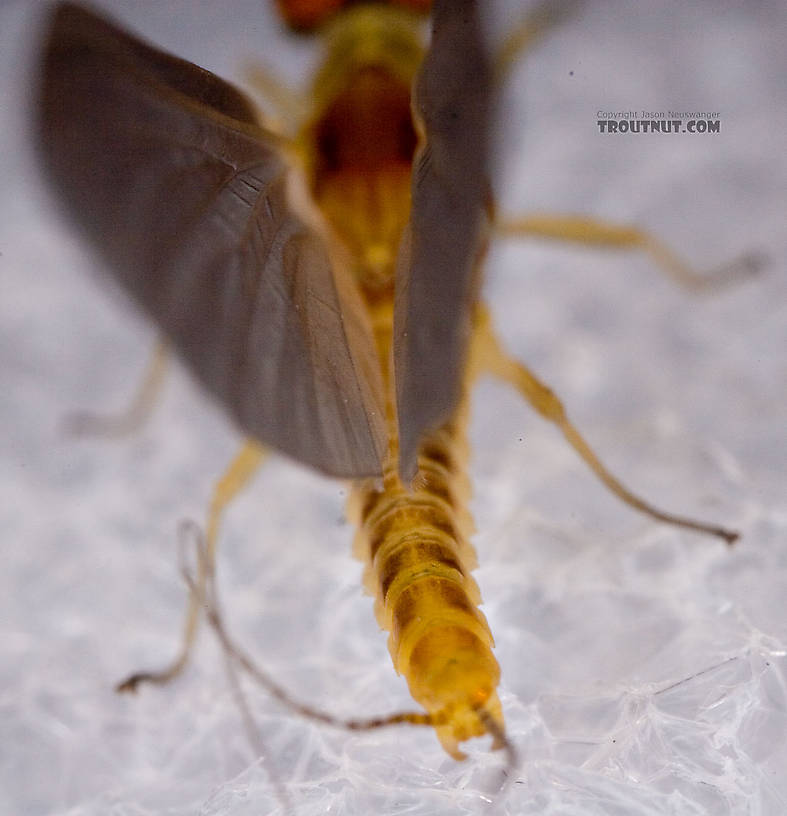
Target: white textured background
pixel 644 669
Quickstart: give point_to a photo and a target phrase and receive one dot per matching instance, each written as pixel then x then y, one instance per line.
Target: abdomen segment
pixel 418 562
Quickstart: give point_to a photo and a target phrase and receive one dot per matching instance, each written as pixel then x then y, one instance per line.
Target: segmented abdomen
pixel 418 561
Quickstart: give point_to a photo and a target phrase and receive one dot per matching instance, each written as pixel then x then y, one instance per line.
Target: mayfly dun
pixel 324 288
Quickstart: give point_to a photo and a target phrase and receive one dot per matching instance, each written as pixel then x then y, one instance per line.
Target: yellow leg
pixel 233 480
pixel 137 412
pixel 604 235
pixel 290 107
pixel 490 356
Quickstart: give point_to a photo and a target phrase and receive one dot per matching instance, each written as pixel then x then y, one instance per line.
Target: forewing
pixel 435 277
pixel 190 203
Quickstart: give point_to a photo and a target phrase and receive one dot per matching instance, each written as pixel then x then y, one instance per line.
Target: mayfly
pixel 324 288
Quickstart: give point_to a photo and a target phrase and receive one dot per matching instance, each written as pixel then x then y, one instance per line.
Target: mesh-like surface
pixel 643 668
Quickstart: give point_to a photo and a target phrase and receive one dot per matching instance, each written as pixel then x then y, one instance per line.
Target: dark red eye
pixel 305 15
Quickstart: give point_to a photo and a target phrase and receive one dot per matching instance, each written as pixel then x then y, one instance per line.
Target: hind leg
pixel 236 477
pixel 490 356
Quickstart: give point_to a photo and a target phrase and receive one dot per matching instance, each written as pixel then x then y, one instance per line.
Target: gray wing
pixel 435 277
pixel 190 203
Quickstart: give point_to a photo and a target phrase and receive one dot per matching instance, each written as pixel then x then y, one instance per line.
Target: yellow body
pixel 359 148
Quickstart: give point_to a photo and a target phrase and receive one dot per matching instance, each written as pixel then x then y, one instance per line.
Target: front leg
pixel 594 233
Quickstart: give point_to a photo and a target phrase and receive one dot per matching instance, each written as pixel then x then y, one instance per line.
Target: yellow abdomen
pixel 418 561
